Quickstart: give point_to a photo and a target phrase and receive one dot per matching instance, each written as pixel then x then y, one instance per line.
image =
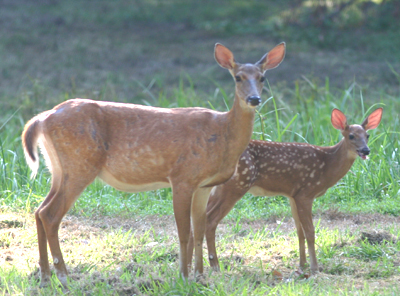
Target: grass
pixel 106 257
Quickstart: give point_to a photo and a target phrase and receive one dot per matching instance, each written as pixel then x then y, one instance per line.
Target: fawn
pixel 299 171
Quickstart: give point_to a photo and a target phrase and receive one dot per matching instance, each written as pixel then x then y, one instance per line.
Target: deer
pixel 138 148
pixel 299 171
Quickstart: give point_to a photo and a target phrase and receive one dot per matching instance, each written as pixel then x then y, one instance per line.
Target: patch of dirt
pixel 378 237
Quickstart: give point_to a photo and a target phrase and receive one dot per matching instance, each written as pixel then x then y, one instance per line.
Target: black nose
pixel 254 100
pixel 365 151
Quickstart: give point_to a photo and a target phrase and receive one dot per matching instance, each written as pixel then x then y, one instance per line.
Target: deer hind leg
pixel 300 233
pixel 42 242
pixel 304 211
pixel 50 214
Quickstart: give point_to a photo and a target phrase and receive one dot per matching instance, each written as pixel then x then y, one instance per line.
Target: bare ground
pixel 76 234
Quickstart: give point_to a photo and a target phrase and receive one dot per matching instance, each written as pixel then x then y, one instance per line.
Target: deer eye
pixel 351 137
pixel 262 79
pixel 367 136
pixel 238 78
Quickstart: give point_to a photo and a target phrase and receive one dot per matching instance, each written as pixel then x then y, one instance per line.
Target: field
pixel 118 243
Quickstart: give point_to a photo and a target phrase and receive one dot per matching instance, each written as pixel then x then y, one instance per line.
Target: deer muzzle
pixel 253 101
pixel 363 152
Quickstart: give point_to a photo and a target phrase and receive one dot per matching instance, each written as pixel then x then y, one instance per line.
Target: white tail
pixel 136 148
pixel 298 171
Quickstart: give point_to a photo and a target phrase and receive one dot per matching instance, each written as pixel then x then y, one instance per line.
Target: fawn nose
pixel 365 151
pixel 253 101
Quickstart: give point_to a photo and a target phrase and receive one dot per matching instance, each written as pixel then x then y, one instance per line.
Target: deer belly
pixel 259 191
pixel 131 187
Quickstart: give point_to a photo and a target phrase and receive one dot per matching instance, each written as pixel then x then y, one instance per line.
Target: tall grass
pixel 301 114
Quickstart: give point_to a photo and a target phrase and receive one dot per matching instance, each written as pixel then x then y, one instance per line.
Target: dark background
pixel 52 50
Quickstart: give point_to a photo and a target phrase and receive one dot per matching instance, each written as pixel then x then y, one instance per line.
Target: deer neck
pixel 339 160
pixel 239 128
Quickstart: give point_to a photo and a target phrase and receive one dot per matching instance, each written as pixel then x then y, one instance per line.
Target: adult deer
pixel 299 171
pixel 137 148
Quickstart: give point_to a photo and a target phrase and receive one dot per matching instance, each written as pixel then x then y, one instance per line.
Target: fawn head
pixel 249 78
pixel 356 135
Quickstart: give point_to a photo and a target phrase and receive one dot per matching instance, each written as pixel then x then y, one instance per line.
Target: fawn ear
pixel 373 120
pixel 224 57
pixel 339 120
pixel 273 58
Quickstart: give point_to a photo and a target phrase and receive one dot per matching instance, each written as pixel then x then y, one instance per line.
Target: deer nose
pixel 253 100
pixel 365 151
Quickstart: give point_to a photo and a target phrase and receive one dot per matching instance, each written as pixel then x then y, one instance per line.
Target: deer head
pixel 356 135
pixel 249 78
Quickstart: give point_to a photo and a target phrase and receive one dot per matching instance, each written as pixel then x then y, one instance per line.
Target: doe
pixel 138 148
pixel 299 171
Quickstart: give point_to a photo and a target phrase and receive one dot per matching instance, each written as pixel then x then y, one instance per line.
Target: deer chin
pixel 362 155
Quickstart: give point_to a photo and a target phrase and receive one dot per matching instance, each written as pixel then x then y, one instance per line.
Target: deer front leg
pixel 199 205
pixel 222 200
pixel 300 233
pixel 304 211
pixel 190 250
pixel 182 200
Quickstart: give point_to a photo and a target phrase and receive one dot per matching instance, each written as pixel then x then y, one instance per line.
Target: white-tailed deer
pixel 137 148
pixel 298 171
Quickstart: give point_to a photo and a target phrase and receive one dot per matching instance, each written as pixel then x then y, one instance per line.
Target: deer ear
pixel 224 57
pixel 339 120
pixel 273 58
pixel 373 120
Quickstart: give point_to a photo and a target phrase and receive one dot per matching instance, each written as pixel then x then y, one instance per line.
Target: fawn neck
pixel 339 159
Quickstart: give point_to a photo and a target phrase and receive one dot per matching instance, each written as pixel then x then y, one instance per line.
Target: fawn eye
pixel 238 78
pixel 351 137
pixel 367 136
pixel 262 79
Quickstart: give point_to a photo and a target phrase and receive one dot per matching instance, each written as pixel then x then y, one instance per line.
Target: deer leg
pixel 222 200
pixel 42 242
pixel 304 210
pixel 182 200
pixel 51 214
pixel 190 250
pixel 300 233
pixel 199 204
